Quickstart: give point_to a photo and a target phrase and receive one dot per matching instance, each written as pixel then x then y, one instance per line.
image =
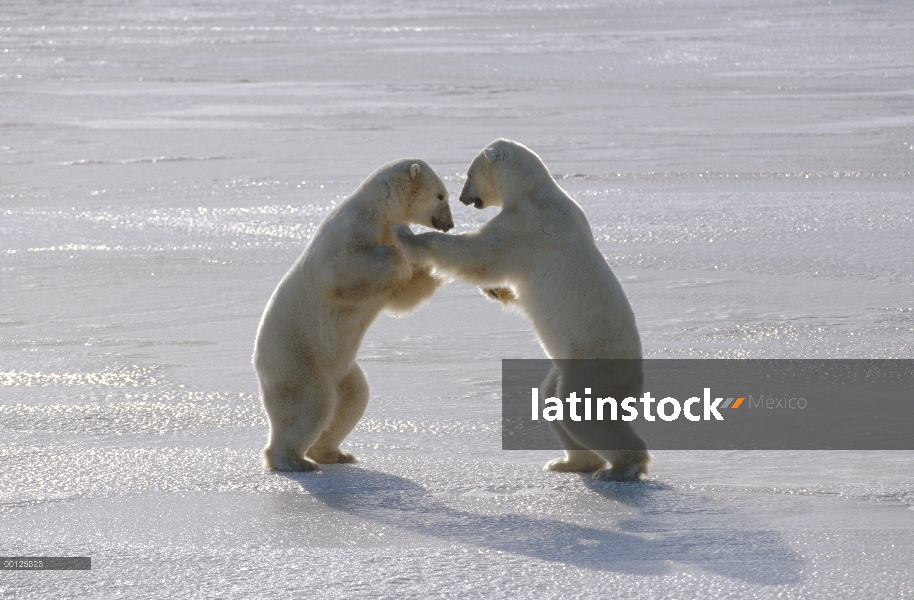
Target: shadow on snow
pixel 671 526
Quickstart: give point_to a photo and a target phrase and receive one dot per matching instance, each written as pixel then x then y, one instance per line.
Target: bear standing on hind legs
pixel 313 390
pixel 539 254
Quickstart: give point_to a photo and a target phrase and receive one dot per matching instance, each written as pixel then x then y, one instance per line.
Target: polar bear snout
pixel 442 224
pixel 467 195
pixel 441 218
pixel 469 199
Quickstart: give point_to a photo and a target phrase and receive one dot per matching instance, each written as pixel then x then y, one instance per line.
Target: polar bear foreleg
pixel 353 395
pixel 411 293
pixel 370 272
pixel 476 257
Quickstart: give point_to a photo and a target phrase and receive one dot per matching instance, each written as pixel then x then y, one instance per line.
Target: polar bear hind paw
pixel 332 457
pixel 290 464
pixel 623 473
pixel 563 465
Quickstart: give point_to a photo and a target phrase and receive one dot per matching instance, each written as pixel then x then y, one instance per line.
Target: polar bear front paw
pixel 502 294
pixel 332 457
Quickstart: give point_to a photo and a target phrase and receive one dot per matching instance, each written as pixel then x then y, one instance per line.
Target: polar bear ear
pixel 414 170
pixel 491 154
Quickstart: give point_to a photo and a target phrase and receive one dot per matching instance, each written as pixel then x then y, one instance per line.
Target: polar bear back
pixel 564 284
pixel 577 304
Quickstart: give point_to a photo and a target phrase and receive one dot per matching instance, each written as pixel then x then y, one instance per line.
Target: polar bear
pixel 539 255
pixel 313 390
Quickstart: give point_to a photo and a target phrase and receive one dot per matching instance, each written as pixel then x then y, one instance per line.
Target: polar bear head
pixel 422 195
pixel 503 171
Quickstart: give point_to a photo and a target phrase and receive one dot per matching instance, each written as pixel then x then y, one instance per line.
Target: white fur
pixel 539 254
pixel 313 390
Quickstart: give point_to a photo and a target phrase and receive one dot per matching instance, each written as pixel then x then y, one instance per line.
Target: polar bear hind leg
pixel 625 465
pixel 575 461
pixel 353 395
pixel 298 411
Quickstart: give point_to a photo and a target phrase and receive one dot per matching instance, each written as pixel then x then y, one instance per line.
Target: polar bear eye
pixel 441 196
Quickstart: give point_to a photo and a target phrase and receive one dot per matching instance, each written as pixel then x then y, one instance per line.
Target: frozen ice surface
pixel 746 168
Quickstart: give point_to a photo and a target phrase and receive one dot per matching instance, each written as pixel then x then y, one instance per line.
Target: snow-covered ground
pixel 746 167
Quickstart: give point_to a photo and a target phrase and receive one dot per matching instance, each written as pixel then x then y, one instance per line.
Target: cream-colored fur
pixel 313 390
pixel 539 254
